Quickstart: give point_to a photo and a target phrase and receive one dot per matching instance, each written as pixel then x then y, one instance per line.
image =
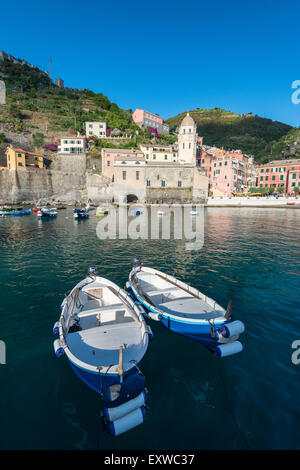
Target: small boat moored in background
pixel 47 212
pixel 22 212
pixel 104 336
pixel 80 214
pixel 102 210
pixel 185 310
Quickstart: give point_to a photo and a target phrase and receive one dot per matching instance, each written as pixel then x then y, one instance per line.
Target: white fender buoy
pixel 236 327
pixel 127 422
pixel 112 414
pixel 56 328
pixel 59 350
pixel 154 316
pixel 228 349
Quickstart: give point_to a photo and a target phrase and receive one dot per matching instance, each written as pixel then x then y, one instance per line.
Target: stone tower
pixel 2 93
pixel 187 139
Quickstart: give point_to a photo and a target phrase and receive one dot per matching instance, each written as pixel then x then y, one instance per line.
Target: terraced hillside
pixel 248 132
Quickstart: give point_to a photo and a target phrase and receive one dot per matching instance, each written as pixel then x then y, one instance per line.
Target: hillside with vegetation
pixel 40 110
pixel 36 106
pixel 261 137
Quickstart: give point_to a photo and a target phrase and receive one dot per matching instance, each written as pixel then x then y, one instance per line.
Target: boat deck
pixel 100 345
pixel 173 300
pixel 105 324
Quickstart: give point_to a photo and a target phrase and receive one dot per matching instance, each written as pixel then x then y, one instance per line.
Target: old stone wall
pixel 70 163
pixel 28 185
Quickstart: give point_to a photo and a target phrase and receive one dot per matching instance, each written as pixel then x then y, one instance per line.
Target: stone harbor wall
pixel 29 185
pixel 99 188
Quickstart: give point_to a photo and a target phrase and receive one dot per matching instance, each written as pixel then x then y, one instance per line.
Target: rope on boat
pixel 235 418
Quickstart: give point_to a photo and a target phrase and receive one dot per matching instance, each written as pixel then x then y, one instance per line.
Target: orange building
pixel 19 159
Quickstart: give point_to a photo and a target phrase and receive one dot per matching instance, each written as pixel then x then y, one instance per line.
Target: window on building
pixel 267 178
pixel 163 183
pixel 273 178
pixel 281 177
pixel 179 183
pixel 124 175
pixel 225 163
pixel 148 182
pixel 294 176
pixel 147 155
pixel 108 162
pixel 20 164
pixel 267 170
pixel 183 145
pixel 137 175
pixel 19 155
pixel 166 157
pixel 189 145
pixel 154 156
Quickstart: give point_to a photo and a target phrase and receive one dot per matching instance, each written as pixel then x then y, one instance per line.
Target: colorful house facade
pixel 19 159
pixel 283 174
pixel 145 120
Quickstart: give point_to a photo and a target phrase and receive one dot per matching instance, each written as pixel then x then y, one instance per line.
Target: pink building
pixel 108 159
pixel 228 175
pixel 144 119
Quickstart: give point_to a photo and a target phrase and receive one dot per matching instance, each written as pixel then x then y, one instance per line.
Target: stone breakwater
pixel 271 201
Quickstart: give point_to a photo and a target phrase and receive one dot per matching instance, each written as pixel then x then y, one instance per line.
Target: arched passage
pixel 131 199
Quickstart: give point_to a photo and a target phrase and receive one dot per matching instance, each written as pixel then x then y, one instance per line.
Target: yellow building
pixel 160 153
pixel 19 159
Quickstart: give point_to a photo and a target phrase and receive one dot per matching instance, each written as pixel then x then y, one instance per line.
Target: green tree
pixel 38 139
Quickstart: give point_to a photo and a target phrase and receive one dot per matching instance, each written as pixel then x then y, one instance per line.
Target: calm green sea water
pixel 196 400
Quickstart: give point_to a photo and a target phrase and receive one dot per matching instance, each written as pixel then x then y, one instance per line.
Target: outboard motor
pixel 136 262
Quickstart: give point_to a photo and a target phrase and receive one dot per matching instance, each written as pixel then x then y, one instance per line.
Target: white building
pixel 72 145
pixel 187 141
pixel 97 129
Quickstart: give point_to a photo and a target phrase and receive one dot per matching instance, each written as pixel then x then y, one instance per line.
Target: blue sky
pixel 168 56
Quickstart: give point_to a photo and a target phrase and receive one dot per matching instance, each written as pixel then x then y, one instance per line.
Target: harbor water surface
pixel 196 400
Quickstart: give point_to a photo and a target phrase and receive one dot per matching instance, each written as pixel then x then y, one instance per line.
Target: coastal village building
pixel 59 82
pixel 97 129
pixel 108 157
pixel 19 159
pixel 280 174
pixel 136 177
pixel 229 172
pixel 145 120
pixel 160 153
pixel 72 145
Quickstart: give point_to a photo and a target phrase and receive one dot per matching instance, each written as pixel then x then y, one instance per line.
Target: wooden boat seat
pixel 93 311
pixel 161 291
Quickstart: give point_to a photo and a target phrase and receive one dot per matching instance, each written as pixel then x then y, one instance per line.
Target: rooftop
pixel 25 151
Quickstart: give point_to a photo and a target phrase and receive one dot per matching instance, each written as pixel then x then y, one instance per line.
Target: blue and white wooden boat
pixel 104 336
pixel 46 212
pixel 185 310
pixel 80 214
